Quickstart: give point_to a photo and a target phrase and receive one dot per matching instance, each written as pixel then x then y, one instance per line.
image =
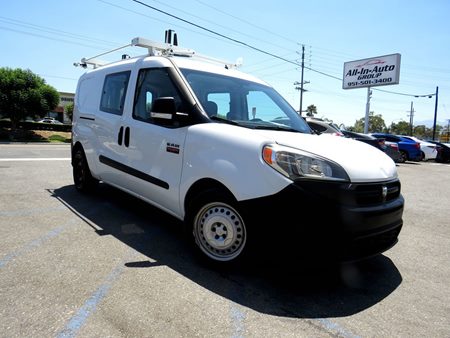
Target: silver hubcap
pixel 219 231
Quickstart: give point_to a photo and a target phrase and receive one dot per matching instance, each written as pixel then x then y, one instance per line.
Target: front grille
pixel 370 194
pixel 367 194
pixel 353 194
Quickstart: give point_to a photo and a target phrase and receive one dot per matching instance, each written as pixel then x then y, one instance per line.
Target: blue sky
pixel 48 36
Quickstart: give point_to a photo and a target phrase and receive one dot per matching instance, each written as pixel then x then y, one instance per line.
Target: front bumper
pixel 347 220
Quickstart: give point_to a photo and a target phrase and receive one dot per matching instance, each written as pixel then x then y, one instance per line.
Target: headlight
pixel 294 164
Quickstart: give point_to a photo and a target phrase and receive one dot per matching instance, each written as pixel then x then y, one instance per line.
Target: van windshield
pixel 245 103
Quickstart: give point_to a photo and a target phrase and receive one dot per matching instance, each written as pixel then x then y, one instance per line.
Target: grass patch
pixel 34 136
pixel 58 138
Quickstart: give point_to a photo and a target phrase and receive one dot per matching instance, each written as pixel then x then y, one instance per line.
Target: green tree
pixel 426 133
pixel 311 110
pixel 23 93
pixel 69 110
pixel 400 128
pixel 376 124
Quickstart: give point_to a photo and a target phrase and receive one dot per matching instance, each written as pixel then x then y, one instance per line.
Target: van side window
pixel 113 94
pixel 152 84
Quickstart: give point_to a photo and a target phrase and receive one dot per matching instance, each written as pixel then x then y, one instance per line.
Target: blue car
pixel 409 149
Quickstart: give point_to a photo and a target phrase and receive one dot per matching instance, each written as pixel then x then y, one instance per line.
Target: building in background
pixel 59 112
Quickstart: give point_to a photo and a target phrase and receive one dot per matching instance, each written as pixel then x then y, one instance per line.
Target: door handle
pixel 120 137
pixel 127 136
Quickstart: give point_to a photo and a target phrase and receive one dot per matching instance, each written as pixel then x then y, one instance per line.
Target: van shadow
pixel 280 287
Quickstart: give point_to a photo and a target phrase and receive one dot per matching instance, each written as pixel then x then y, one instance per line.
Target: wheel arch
pixel 202 186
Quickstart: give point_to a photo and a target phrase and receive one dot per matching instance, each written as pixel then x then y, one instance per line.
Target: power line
pixel 24 24
pixel 228 28
pixel 232 39
pixel 245 21
pixel 49 38
pixel 214 32
pixel 404 94
pixel 256 48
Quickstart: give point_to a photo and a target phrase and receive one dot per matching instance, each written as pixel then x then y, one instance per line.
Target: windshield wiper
pixel 221 119
pixel 276 127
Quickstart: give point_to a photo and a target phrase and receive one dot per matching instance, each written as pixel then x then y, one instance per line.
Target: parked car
pixel 51 120
pixel 373 141
pixel 443 151
pixel 393 151
pixel 244 173
pixel 428 149
pixel 390 148
pixel 410 150
pixel 321 126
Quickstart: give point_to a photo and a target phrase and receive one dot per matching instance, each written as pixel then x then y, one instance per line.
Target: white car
pixel 428 150
pixel 51 120
pixel 225 153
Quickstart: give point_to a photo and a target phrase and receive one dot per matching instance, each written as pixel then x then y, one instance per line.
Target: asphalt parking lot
pixel 108 265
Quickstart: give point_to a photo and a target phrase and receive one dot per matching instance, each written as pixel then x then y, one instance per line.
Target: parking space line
pixel 35 159
pixel 334 328
pixel 90 305
pixel 35 243
pixel 237 318
pixel 30 212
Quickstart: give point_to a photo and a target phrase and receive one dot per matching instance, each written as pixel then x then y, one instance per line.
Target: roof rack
pixel 155 49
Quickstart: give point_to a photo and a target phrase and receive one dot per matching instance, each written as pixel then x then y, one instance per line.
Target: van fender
pixel 236 163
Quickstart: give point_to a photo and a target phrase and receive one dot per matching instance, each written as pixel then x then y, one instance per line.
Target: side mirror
pixel 164 108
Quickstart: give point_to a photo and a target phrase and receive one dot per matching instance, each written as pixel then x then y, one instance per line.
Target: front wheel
pixel 219 230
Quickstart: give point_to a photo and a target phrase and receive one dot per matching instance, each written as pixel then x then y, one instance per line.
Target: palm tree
pixel 311 110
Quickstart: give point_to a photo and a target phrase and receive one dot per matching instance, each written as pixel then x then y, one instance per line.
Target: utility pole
pixel 301 83
pixel 435 112
pixel 411 119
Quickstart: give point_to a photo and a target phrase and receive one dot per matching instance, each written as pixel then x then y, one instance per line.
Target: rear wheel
pixel 82 177
pixel 404 156
pixel 218 228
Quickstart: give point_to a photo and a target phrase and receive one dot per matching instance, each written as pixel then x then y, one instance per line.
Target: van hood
pixel 362 162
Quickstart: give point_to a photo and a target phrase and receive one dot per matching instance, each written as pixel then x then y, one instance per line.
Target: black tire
pixel 82 178
pixel 404 156
pixel 218 229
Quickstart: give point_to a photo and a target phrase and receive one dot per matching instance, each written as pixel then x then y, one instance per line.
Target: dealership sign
pixel 377 71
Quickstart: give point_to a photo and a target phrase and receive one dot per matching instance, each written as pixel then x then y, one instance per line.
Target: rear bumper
pixel 344 221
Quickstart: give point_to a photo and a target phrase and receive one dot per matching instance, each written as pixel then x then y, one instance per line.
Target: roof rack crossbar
pixel 155 49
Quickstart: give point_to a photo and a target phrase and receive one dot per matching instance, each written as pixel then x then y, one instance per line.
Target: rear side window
pixel 113 94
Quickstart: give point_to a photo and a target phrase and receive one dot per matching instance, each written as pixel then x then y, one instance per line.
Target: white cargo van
pixel 224 152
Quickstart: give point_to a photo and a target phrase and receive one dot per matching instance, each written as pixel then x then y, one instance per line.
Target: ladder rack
pixel 155 49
